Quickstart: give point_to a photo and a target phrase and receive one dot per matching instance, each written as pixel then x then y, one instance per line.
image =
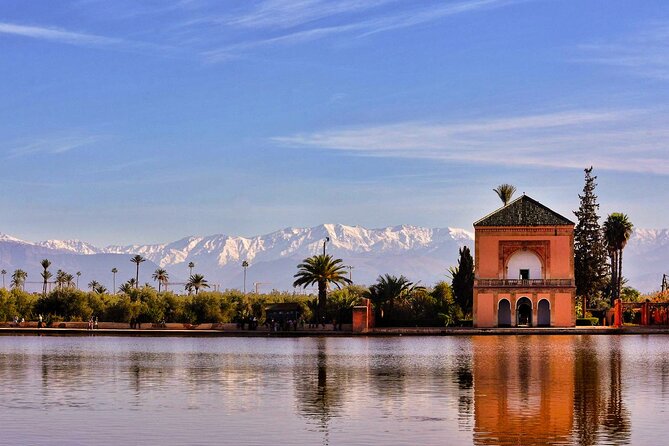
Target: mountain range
pixel 421 254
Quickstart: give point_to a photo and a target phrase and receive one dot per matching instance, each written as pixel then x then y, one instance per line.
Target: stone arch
pixel 524 312
pixel 504 313
pixel 544 313
pixel 524 259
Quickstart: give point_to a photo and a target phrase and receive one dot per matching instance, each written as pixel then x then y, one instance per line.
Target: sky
pixel 146 121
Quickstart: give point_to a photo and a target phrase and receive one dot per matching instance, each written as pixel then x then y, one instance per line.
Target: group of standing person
pixel 93 323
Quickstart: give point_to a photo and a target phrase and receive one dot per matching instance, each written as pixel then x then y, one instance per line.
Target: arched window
pixel 524 265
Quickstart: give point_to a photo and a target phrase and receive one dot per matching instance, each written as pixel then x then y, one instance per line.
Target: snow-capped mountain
pixel 73 246
pixel 422 254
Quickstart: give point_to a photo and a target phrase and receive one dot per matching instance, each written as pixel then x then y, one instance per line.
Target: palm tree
pixel 137 260
pixel 78 275
pixel 114 271
pixel 245 265
pixel 93 284
pixel 191 265
pixel 46 275
pixel 505 192
pixel 387 289
pixel 60 278
pixel 69 280
pixel 127 287
pixel 3 272
pixel 19 279
pixel 196 281
pixel 617 231
pixel 322 270
pixel 100 289
pixel 161 276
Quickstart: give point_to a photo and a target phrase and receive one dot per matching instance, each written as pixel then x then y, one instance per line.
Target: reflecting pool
pixel 481 390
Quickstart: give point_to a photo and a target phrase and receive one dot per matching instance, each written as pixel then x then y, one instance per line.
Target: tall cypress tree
pixel 589 250
pixel 463 280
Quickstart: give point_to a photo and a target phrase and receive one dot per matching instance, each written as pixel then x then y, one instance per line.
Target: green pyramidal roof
pixel 524 211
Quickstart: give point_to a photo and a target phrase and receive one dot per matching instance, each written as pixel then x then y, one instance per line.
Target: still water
pixel 481 390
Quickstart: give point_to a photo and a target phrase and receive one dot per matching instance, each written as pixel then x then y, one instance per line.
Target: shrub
pixel 587 322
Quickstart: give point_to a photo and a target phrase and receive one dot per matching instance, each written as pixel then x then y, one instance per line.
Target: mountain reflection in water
pixel 482 390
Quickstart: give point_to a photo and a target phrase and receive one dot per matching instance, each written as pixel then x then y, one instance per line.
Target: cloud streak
pixel 57 35
pixel 622 140
pixel 645 53
pixel 290 13
pixel 54 146
pixel 305 12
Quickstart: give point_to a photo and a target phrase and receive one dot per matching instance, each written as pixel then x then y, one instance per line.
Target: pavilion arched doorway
pixel 524 312
pixel 544 313
pixel 503 313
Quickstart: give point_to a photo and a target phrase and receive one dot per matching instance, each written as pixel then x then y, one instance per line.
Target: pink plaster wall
pixel 485 310
pixel 487 246
pixel 564 313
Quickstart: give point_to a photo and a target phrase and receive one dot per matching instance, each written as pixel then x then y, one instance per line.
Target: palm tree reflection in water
pixel 319 399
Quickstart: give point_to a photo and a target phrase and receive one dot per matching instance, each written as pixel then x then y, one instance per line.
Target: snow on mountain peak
pixel 460 234
pixel 74 246
pixel 9 238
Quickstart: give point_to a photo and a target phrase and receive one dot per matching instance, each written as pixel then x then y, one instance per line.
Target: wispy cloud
pixel 61 36
pixel 232 51
pixel 55 145
pixel 277 14
pixel 624 140
pixel 291 13
pixel 57 35
pixel 645 53
pixel 216 33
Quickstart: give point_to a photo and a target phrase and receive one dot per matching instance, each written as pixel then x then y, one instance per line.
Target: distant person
pixel 39 321
pixel 95 323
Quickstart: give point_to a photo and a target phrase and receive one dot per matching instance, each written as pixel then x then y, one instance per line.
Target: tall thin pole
pixel 245 265
pixel 327 239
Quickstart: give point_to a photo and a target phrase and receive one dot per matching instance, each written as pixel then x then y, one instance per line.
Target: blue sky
pixel 145 121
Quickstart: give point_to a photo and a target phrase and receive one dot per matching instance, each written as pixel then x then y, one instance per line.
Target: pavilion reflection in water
pixel 541 390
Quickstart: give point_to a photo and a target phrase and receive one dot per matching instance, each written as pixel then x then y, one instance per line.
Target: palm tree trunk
pixel 322 298
pixel 137 277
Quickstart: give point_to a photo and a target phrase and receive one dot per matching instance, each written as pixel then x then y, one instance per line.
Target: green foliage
pixel 589 251
pixel 463 280
pixel 321 270
pixel 629 294
pixel 587 322
pixel 413 306
pixel 398 302
pixel 617 230
pixel 505 192
pixel 341 302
